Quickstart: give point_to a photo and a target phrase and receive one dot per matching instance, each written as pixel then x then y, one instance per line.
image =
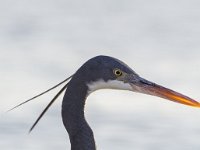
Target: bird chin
pixel 110 84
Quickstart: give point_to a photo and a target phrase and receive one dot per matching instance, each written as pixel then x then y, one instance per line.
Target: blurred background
pixel 43 42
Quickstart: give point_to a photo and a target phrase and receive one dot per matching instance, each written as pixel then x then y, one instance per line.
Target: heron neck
pixel 80 133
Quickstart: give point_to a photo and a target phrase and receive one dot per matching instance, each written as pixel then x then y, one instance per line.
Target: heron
pixel 101 72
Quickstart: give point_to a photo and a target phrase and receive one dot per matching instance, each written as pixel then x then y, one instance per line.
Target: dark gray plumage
pixel 100 67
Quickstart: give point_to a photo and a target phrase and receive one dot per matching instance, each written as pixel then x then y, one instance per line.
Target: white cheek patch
pixel 110 84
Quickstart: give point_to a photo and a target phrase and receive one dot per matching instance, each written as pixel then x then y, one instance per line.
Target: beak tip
pixel 198 105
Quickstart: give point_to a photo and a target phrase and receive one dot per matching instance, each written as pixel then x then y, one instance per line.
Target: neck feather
pixel 80 133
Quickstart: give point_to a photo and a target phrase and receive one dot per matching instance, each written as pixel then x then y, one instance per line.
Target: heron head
pixel 109 73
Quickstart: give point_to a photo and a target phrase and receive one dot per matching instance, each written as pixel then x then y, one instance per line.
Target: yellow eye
pixel 117 72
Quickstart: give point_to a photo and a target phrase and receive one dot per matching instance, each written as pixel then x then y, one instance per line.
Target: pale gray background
pixel 44 41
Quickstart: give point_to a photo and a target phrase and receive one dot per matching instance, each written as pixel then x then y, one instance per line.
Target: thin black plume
pixel 47 107
pixel 41 93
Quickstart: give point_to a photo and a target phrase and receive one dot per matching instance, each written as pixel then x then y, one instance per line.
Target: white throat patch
pixel 110 84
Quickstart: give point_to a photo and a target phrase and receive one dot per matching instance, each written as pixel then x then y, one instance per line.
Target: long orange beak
pixel 144 86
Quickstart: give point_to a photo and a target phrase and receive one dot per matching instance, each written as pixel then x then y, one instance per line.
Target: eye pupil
pixel 118 72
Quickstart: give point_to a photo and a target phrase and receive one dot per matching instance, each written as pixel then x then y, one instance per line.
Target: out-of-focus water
pixel 42 42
